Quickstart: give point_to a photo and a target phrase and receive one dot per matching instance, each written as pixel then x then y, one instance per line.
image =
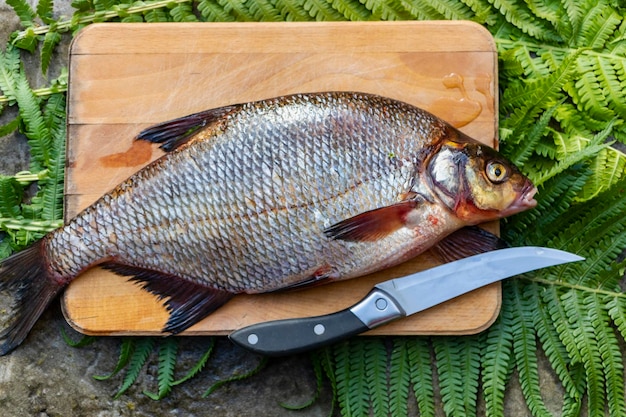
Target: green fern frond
pixel 525 348
pixel 399 378
pixel 195 370
pixel 51 40
pixel 319 379
pixel 352 384
pixel 24 11
pixel 238 9
pixel 10 192
pixel 292 10
pixel 521 56
pixel 83 340
pixel 387 9
pixel 528 99
pixel 616 307
pixel 451 9
pixel 577 11
pixel 10 127
pixel 152 16
pixel 518 14
pixel 238 376
pixel 610 354
pixel 183 12
pixel 264 10
pixel 352 10
pixel 523 144
pixel 9 67
pixel 421 10
pixel 376 375
pixel 596 231
pixel 138 358
pixel 212 11
pixel 577 123
pixel 591 89
pixel 572 405
pixel 420 366
pixel 549 11
pixel 568 161
pixel 609 166
pixel 322 10
pixel 45 10
pixel 34 125
pixel 550 341
pixel 126 350
pixel 497 362
pixel 103 5
pixel 577 307
pixel 458 368
pixel 168 349
pixel 598 26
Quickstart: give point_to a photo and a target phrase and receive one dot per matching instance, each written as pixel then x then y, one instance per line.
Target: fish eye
pixel 496 172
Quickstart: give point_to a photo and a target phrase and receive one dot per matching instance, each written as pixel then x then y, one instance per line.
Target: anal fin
pixel 186 301
pixel 466 242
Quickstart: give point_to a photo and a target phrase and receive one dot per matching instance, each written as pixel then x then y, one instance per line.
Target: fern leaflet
pixel 610 353
pixel 376 374
pixel 576 307
pixel 167 362
pixel 139 356
pixel 24 11
pixel 457 365
pixel 126 350
pixel 497 362
pixel 419 355
pixel 198 366
pixel 525 349
pixel 399 378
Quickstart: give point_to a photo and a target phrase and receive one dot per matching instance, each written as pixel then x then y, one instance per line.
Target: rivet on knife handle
pixel 285 337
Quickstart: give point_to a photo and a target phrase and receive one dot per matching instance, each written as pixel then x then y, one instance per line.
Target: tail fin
pixel 26 289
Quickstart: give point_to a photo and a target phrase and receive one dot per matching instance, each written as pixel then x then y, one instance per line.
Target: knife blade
pixel 396 298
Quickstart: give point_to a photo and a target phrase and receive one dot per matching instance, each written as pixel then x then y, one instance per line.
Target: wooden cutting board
pixel 125 77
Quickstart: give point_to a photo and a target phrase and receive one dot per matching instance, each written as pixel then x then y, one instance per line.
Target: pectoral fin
pixel 372 225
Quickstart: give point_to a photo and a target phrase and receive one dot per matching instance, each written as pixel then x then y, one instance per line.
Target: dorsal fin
pixel 174 133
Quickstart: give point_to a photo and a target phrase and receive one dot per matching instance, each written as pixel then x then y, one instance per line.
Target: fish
pixel 272 195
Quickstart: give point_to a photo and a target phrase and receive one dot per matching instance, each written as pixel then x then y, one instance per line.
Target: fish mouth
pixel 524 201
pixel 528 193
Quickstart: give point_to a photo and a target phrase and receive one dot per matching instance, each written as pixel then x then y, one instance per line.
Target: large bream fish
pixel 274 194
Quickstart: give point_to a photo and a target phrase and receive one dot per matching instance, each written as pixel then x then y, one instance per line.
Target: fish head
pixel 477 183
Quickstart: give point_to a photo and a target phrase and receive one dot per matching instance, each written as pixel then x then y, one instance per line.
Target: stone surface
pixel 46 377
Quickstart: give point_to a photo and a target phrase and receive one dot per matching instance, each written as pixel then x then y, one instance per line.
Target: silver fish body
pixel 279 193
pixel 245 207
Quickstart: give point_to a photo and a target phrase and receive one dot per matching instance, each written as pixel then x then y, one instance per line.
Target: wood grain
pixel 125 77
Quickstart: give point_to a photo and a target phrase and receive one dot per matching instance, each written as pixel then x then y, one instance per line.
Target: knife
pixel 396 298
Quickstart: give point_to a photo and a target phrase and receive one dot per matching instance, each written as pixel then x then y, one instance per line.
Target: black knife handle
pixel 286 337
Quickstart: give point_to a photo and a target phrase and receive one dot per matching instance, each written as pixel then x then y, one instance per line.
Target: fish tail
pixel 26 289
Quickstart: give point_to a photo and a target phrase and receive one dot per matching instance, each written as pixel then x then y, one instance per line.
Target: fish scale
pixel 270 195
